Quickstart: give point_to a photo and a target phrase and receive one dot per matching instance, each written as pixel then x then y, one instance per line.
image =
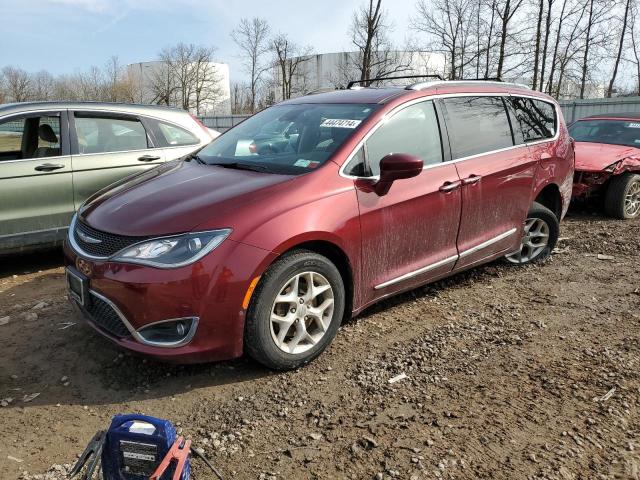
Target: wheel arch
pixel 337 256
pixel 550 197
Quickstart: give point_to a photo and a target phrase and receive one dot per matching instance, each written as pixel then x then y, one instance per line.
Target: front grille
pixel 109 242
pixel 106 317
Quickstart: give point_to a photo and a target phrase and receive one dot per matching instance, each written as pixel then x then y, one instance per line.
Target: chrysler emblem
pixel 83 266
pixel 86 238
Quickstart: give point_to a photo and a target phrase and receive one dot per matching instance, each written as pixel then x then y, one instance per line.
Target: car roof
pixel 386 94
pixel 8 108
pixel 613 116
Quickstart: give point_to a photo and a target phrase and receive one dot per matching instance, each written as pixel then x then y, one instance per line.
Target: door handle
pixel 473 179
pixel 148 158
pixel 48 167
pixel 450 186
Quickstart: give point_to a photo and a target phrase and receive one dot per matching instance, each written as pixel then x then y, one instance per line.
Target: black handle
pixel 49 167
pixel 148 158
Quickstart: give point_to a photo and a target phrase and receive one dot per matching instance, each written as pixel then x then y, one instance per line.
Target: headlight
pixel 172 252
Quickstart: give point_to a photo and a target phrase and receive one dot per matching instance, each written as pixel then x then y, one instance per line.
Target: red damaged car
pixel 312 210
pixel 608 162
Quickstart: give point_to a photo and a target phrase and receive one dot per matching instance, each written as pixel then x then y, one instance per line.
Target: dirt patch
pixel 508 373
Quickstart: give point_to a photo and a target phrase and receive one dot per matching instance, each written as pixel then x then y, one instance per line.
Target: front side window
pixel 613 132
pixel 30 137
pixel 477 125
pixel 537 119
pixel 102 134
pixel 287 139
pixel 413 131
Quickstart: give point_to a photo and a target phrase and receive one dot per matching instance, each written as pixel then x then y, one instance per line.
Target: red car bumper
pixel 212 290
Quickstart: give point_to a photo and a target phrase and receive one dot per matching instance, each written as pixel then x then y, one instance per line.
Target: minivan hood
pixel 595 157
pixel 175 198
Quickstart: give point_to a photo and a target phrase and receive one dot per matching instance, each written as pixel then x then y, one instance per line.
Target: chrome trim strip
pixel 446 261
pixel 137 336
pixel 415 273
pixel 488 243
pixel 426 98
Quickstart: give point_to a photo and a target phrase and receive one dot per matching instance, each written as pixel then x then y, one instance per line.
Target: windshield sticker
pixel 633 125
pixel 301 162
pixel 340 123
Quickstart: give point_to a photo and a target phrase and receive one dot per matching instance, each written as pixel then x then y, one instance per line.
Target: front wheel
pixel 541 231
pixel 295 311
pixel 622 199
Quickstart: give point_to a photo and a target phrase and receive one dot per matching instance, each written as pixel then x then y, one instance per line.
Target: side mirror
pixel 397 166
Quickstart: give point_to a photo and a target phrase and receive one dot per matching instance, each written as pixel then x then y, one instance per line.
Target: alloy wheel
pixel 302 312
pixel 534 242
pixel 632 200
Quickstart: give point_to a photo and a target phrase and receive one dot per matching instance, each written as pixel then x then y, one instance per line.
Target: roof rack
pixel 353 83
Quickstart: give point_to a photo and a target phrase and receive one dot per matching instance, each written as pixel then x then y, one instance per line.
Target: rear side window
pixel 536 118
pixel 11 137
pixel 413 130
pixel 477 125
pixel 102 135
pixel 174 136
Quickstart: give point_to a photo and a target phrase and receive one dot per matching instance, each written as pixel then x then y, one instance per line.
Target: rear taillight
pixel 199 122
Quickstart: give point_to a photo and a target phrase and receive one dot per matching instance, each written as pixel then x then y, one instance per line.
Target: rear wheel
pixel 295 311
pixel 622 199
pixel 541 230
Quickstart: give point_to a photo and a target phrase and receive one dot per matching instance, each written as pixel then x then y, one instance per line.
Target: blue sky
pixel 65 36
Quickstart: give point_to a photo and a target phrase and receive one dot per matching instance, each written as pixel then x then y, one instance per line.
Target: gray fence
pixel 223 123
pixel 577 109
pixel 572 110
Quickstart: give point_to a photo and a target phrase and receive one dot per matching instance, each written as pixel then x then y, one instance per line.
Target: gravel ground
pixel 500 372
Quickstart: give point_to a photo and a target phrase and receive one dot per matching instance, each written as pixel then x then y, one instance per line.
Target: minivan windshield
pixel 613 132
pixel 286 139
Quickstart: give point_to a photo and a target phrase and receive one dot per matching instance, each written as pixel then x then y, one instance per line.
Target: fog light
pixel 168 333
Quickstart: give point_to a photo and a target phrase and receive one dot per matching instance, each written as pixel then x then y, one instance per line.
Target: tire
pixel 537 248
pixel 262 335
pixel 622 199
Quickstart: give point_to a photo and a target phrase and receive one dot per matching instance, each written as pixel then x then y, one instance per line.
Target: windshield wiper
pixel 242 166
pixel 196 157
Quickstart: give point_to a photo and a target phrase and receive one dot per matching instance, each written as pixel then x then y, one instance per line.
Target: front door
pixel 497 176
pixel 107 147
pixel 409 234
pixel 36 191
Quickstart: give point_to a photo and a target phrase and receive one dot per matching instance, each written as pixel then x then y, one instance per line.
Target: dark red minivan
pixel 314 209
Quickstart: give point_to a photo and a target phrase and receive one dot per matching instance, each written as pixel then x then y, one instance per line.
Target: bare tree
pixel 42 86
pixel 252 37
pixel 376 56
pixel 505 10
pixel 17 84
pixel 289 60
pixel 634 25
pixel 536 56
pixel 625 21
pixel 448 25
pixel 207 82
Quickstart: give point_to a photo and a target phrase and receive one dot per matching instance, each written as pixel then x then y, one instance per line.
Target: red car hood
pixel 175 198
pixel 595 157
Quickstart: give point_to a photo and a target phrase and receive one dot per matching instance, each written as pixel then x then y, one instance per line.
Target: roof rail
pixel 353 83
pixel 423 85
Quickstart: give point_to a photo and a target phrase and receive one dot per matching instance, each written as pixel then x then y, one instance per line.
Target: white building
pixel 216 94
pixel 336 70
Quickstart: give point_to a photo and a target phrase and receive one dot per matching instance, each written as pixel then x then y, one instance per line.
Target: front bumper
pixel 130 297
